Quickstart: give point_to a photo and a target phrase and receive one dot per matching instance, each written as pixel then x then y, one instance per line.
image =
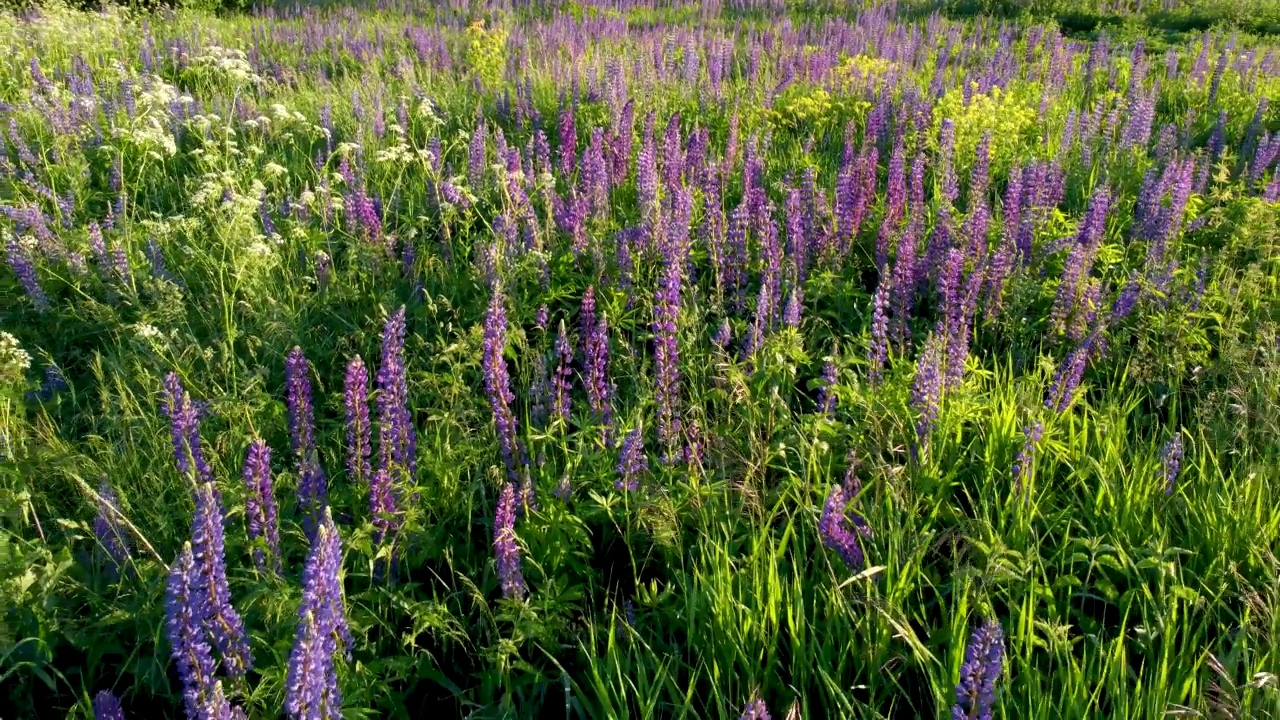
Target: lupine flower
pixel 397 440
pixel 666 311
pixel 260 506
pixel 359 438
pixel 878 350
pixel 595 353
pixel 631 462
pixel 568 143
pixel 497 383
pixel 476 158
pixel 313 487
pixel 926 390
pixel 26 272
pixel 219 619
pixel 1066 381
pixel 792 310
pixel 505 547
pixel 755 710
pixel 382 504
pixel 219 708
pixel 826 388
pixel 106 706
pixel 1080 260
pixel 184 422
pixel 1024 460
pixel 723 335
pixel 983 663
pixel 1171 458
pixel 837 530
pixel 311 687
pixel 191 653
pixel 108 528
pixel 562 381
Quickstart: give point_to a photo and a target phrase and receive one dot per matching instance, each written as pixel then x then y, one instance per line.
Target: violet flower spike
pixel 1171 460
pixel 497 383
pixel 260 507
pixel 505 547
pixel 359 439
pixel 311 686
pixel 983 663
pixel 106 706
pixel 755 710
pixel 219 619
pixel 838 531
pixel 631 462
pixel 183 613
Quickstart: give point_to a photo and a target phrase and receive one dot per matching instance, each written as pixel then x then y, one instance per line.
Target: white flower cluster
pixel 227 63
pixel 14 361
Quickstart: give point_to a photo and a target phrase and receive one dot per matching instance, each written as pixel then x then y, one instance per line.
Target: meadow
pixel 638 359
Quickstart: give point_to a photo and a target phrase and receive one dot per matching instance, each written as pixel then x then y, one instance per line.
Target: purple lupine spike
pixel 894 204
pixel 382 505
pixel 794 307
pixel 26 273
pixel 497 382
pixel 311 686
pixel 826 388
pixel 631 462
pixel 1127 299
pixel 1024 460
pixel 666 313
pixel 903 281
pixel 647 185
pixel 672 153
pixel 183 614
pixel 1171 459
pixel 540 392
pixel 505 546
pixel 568 143
pixel 313 487
pixel 184 425
pixel 878 348
pixel 562 381
pixel 1080 261
pixel 595 353
pixel 260 507
pixel 838 532
pixel 220 620
pixel 926 389
pixel 106 706
pixel 755 710
pixel 1066 381
pixel 107 527
pixel 983 663
pixel 595 177
pixel 723 335
pixel 359 433
pixel 397 439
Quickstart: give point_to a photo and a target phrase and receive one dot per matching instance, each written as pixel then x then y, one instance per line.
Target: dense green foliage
pixel 710 584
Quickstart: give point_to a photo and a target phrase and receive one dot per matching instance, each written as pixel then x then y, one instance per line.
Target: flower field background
pixel 638 360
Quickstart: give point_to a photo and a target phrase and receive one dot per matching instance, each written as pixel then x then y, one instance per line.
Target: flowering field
pixel 636 360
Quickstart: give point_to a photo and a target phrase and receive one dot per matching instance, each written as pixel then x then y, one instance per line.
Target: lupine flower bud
pixel 1171 457
pixel 106 706
pixel 359 438
pixel 838 531
pixel 311 686
pixel 313 487
pixel 983 663
pixel 631 462
pixel 183 613
pixel 505 547
pixel 755 710
pixel 184 422
pixel 497 383
pixel 562 381
pixel 260 507
pixel 219 619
